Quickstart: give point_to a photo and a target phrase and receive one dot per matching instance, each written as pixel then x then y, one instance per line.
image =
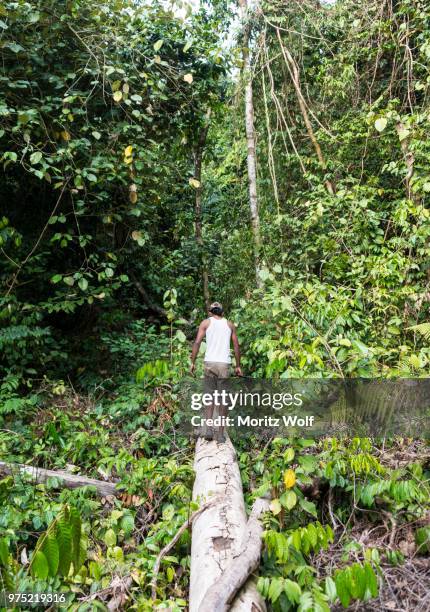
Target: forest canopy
pixel 129 136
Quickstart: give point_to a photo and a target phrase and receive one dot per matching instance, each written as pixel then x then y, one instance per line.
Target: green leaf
pixel 76 529
pixel 109 272
pixel 118 554
pixel 51 551
pixel 69 280
pixel 359 576
pixel 127 524
pixel 158 44
pixel 296 539
pixel 422 539
pixel 342 589
pixel 83 284
pixel 371 582
pixel 330 589
pixel 403 133
pixel 288 499
pixel 289 455
pixel 264 274
pixel 181 336
pixel 35 157
pixel 312 535
pixel 110 537
pixel 64 540
pixel 292 590
pixel 275 589
pixel 39 566
pixel 4 552
pixel 309 506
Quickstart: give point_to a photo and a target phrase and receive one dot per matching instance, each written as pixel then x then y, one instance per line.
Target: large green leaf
pixel 39 565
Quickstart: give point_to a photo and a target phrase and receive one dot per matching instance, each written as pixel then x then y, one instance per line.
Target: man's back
pixel 219 333
pixel 218 337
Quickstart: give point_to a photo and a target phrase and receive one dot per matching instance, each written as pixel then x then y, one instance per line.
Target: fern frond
pixel 423 329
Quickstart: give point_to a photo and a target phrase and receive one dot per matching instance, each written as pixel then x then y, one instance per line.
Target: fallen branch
pixel 70 481
pixel 163 552
pixel 223 591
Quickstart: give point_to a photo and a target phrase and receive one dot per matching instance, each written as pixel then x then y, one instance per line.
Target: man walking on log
pixel 217 362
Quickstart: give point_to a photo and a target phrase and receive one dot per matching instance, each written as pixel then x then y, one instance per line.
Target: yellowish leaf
pixel 128 151
pixel 194 183
pixel 126 88
pixel 133 197
pixel 188 78
pixel 65 135
pixel 381 124
pixel 275 506
pixel 289 479
pixel 136 235
pixel 117 96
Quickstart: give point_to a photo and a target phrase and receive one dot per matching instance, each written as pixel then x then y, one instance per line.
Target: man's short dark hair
pixel 216 308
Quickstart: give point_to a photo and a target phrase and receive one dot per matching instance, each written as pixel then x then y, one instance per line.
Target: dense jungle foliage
pixel 124 180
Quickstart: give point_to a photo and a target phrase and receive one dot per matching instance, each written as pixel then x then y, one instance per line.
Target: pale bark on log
pixel 219 533
pixel 70 481
pixel 221 594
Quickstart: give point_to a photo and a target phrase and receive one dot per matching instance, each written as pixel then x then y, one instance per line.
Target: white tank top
pixel 218 336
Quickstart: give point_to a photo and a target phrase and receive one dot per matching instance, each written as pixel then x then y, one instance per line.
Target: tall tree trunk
pixel 250 140
pixel 295 77
pixel 198 158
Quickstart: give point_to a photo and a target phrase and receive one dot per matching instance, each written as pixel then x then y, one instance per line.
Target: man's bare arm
pixel 236 347
pixel 197 342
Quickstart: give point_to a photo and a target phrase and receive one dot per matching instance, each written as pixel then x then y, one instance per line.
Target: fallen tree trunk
pixel 222 593
pixel 70 481
pixel 223 540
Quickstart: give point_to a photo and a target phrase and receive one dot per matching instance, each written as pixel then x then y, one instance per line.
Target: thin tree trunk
pixel 295 77
pixel 250 140
pixel 198 158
